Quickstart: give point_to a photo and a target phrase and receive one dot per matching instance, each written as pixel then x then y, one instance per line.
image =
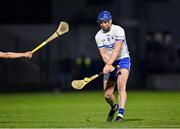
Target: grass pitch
pixel 88 110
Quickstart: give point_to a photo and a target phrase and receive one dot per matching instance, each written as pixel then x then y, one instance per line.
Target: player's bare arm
pixel 108 67
pixel 117 49
pixel 104 55
pixel 15 55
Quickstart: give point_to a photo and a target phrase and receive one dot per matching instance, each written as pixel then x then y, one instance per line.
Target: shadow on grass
pixel 2 122
pixel 133 119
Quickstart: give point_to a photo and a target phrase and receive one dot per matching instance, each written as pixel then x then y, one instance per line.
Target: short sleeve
pixel 119 34
pixel 99 41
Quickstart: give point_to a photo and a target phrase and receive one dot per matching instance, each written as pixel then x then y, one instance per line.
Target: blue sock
pixel 121 112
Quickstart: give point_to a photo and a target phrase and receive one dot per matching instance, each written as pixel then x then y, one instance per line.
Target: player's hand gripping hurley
pixel 79 84
pixel 63 28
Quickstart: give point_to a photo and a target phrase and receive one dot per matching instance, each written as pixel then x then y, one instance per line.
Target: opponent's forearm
pixel 13 55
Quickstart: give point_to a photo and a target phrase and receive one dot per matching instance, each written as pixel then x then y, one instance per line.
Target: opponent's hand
pixel 108 68
pixel 28 54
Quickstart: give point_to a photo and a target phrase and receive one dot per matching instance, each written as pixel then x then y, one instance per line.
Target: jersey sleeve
pixel 119 34
pixel 99 41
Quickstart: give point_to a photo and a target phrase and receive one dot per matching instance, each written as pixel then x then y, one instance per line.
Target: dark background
pixel 152 32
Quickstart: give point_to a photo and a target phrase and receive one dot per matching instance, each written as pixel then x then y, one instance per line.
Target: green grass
pixel 87 110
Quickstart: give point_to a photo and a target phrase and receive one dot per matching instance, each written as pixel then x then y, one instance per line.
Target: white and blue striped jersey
pixel 107 40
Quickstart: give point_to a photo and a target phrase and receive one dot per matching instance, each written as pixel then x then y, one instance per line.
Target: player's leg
pixel 109 96
pixel 122 94
pixel 108 92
